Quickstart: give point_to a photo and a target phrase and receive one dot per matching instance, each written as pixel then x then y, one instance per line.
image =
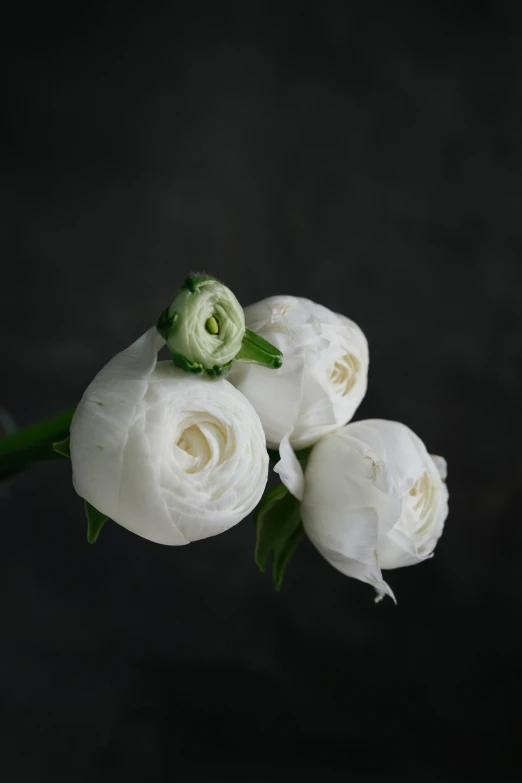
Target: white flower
pixel 373 499
pixel 324 374
pixel 170 456
pixel 204 326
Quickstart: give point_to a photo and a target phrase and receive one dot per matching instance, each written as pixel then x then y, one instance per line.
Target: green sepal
pixel 166 322
pixel 256 350
pixel 183 363
pixel 63 447
pixel 95 522
pixel 218 369
pixel 278 529
pixel 193 282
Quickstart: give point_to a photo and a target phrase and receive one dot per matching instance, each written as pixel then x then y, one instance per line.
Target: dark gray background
pixel 368 157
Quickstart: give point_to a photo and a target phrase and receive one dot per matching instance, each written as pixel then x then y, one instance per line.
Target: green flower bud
pixel 204 326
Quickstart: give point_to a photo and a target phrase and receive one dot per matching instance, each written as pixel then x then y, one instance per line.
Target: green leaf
pixel 279 530
pixel 63 447
pixel 256 350
pixel 95 522
pixel 280 562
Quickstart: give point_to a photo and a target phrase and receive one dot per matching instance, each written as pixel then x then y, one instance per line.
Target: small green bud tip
pixel 193 282
pixel 212 325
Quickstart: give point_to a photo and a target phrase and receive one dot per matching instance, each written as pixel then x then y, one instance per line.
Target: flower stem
pixel 34 443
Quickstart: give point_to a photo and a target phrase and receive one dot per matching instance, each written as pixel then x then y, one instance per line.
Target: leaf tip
pixel 62 447
pixel 95 521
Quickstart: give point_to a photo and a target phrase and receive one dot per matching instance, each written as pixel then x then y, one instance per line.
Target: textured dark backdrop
pixel 369 159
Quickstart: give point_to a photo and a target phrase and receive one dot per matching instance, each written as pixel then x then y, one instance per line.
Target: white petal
pixel 397 447
pixel 103 417
pixel 275 394
pixel 396 550
pixel 363 563
pixel 343 474
pixel 289 469
pixel 442 466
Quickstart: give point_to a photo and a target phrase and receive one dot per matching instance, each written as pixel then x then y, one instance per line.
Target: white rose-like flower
pixel 324 374
pixel 172 457
pixel 373 499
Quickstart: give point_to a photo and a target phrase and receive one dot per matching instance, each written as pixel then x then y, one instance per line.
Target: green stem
pixel 34 443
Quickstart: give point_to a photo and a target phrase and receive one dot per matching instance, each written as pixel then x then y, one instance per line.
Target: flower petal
pixel 354 554
pixel 104 416
pixel 441 465
pixel 275 392
pixel 289 468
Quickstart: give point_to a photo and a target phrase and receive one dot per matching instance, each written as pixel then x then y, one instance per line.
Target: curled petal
pixel 103 418
pixel 289 469
pixel 441 465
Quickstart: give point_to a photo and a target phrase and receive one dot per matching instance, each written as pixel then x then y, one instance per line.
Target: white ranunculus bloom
pixel 171 457
pixel 324 374
pixel 373 499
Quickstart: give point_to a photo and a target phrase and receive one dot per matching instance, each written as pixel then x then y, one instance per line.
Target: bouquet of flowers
pixel 177 450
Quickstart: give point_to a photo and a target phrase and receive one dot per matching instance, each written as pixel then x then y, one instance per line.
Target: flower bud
pixel 324 374
pixel 204 329
pixel 204 326
pixel 373 499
